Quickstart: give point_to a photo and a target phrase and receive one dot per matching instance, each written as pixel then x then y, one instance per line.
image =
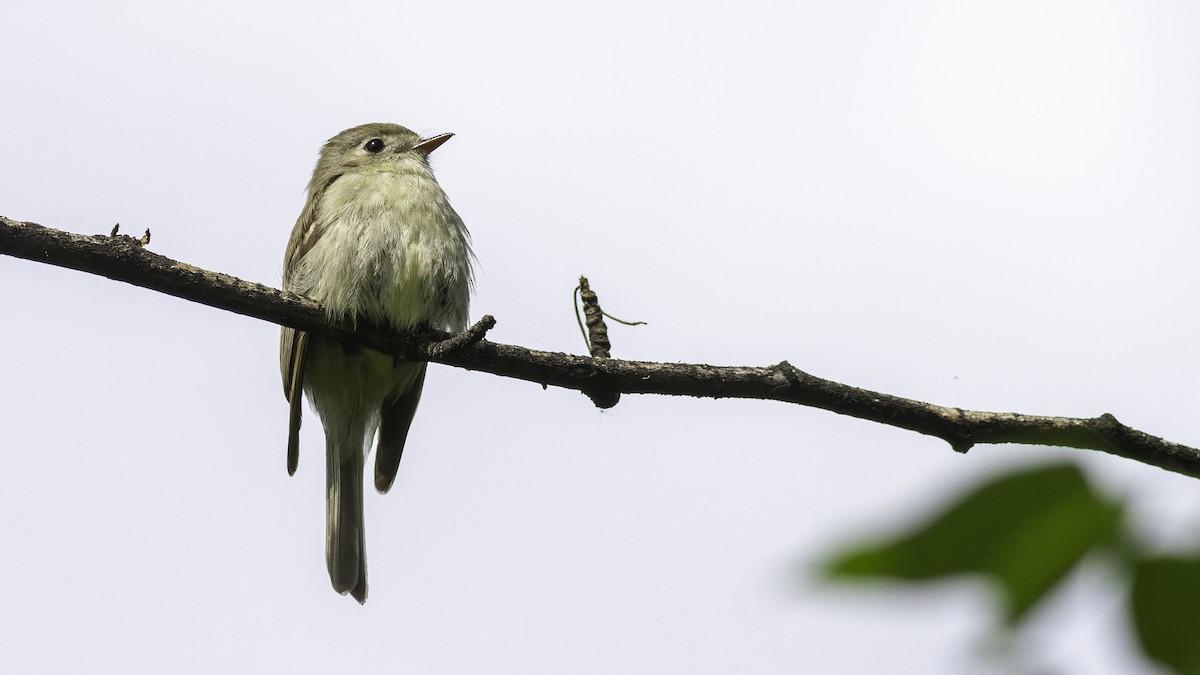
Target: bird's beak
pixel 428 145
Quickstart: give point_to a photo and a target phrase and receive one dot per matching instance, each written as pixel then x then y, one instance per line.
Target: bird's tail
pixel 345 542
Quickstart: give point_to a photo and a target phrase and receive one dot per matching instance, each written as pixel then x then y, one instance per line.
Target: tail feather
pixel 345 550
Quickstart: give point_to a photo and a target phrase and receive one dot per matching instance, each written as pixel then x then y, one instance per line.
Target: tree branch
pixel 126 259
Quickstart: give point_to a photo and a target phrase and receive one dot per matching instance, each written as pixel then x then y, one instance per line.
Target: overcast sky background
pixel 979 204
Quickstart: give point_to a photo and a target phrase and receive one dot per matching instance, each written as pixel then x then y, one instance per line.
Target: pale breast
pixel 394 252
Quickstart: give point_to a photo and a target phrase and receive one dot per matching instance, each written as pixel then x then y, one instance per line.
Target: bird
pixel 377 242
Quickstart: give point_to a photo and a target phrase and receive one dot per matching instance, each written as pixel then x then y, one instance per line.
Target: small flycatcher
pixel 377 241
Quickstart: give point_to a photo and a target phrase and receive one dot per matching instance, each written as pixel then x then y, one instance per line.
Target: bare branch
pixel 125 259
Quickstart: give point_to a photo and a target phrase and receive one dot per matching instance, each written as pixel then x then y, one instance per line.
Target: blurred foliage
pixel 1165 603
pixel 1025 532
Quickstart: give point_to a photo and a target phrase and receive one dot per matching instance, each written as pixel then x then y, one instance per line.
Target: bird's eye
pixel 374 145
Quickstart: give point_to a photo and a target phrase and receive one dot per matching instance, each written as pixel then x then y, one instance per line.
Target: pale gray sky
pixel 987 205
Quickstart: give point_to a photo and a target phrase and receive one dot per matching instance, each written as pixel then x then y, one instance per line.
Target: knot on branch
pixel 954 428
pixel 1111 433
pixel 583 368
pixel 793 376
pixel 960 444
pixel 603 398
pixel 1108 423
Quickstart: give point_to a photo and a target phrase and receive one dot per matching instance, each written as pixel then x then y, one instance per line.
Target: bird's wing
pixel 394 420
pixel 293 344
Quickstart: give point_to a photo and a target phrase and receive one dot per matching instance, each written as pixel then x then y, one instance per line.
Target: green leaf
pixel 1165 603
pixel 1025 531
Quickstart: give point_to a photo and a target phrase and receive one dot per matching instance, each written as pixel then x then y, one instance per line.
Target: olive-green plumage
pixel 377 241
